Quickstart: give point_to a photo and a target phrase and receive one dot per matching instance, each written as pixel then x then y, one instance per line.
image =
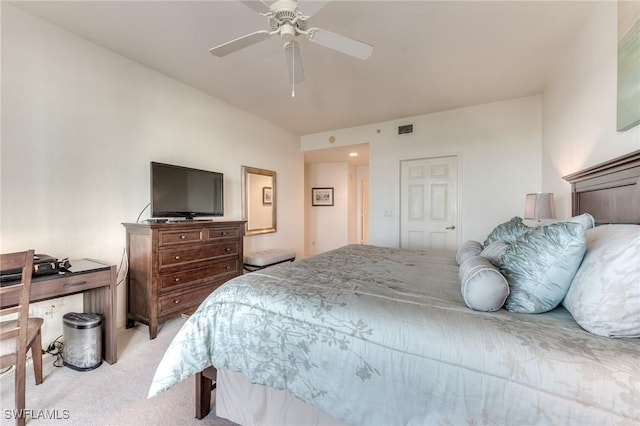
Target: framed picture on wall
pixel 321 196
pixel 628 65
pixel 267 195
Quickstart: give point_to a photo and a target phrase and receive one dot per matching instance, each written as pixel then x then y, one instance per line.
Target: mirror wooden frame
pixel 259 192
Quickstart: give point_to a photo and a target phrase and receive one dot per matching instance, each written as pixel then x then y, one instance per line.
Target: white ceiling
pixel 428 55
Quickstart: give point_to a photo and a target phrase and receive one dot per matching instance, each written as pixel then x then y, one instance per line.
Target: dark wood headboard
pixel 609 191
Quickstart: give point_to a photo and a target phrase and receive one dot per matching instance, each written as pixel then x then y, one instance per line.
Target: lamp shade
pixel 540 205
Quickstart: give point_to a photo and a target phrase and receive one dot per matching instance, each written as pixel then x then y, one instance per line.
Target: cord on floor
pixel 6 370
pixel 55 349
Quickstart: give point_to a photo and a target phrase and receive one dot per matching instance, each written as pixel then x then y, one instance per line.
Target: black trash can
pixel 82 334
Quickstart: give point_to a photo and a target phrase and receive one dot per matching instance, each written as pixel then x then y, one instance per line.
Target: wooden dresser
pixel 173 267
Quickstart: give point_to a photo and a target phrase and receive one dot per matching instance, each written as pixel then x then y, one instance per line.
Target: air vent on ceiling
pixel 406 129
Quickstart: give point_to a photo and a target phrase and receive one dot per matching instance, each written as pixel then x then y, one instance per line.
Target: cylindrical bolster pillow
pixel 483 287
pixel 494 252
pixel 469 249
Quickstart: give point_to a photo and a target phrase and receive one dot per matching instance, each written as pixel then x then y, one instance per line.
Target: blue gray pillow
pixel 540 265
pixel 508 231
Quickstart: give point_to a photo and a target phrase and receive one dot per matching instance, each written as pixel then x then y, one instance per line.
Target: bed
pixel 367 335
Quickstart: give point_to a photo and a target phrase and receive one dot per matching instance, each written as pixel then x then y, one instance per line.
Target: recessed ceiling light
pixel 353 154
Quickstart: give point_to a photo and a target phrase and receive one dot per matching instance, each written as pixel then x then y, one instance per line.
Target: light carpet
pixel 110 394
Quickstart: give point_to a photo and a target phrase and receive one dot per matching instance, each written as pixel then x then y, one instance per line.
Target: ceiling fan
pixel 288 19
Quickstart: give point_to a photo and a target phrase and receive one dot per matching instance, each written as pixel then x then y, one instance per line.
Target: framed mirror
pixel 258 200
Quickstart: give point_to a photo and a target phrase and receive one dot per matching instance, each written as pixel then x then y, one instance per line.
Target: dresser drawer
pixel 181 302
pixel 187 277
pixel 179 236
pixel 196 254
pixel 222 233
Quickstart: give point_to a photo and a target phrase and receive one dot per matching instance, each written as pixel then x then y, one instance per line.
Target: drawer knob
pixel 177 279
pixel 228 249
pixel 177 257
pixel 182 237
pixel 227 267
pixel 223 233
pixel 176 301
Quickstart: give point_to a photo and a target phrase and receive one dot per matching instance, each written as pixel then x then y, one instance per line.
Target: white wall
pixel 579 107
pixel 499 147
pixel 80 125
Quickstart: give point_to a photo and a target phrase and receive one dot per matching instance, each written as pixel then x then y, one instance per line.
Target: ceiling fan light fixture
pixel 287 31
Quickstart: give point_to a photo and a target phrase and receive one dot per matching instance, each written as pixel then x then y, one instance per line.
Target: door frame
pixel 364 211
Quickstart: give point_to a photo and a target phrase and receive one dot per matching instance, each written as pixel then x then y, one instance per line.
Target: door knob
pixel 451 227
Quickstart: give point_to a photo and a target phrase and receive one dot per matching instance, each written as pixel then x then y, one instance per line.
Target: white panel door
pixel 429 203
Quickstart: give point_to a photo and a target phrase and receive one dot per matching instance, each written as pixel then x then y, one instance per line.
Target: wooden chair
pixel 20 334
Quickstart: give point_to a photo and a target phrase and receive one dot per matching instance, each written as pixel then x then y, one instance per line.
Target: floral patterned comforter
pixel 381 336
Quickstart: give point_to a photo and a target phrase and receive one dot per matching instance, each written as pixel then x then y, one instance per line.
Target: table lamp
pixel 540 205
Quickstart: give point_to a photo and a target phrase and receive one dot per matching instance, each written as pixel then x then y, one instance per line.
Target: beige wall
pixel 80 125
pixel 579 107
pixel 328 227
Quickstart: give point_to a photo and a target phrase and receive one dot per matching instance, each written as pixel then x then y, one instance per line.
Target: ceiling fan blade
pixel 258 5
pixel 294 62
pixel 239 43
pixel 338 42
pixel 310 7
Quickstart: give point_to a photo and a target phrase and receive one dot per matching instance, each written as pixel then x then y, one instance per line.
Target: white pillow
pixel 586 220
pixel 604 297
pixel 483 287
pixel 469 249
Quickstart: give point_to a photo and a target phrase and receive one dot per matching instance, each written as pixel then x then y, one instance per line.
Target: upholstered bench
pixel 264 258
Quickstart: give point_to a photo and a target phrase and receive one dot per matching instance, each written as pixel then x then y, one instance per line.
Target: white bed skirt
pixel 249 404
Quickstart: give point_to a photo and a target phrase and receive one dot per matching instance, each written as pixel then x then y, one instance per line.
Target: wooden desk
pixel 97 283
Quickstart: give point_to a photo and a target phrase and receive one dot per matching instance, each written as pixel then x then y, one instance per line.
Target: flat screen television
pixel 183 192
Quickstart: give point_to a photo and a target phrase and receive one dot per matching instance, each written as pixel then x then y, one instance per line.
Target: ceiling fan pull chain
pixel 293 73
